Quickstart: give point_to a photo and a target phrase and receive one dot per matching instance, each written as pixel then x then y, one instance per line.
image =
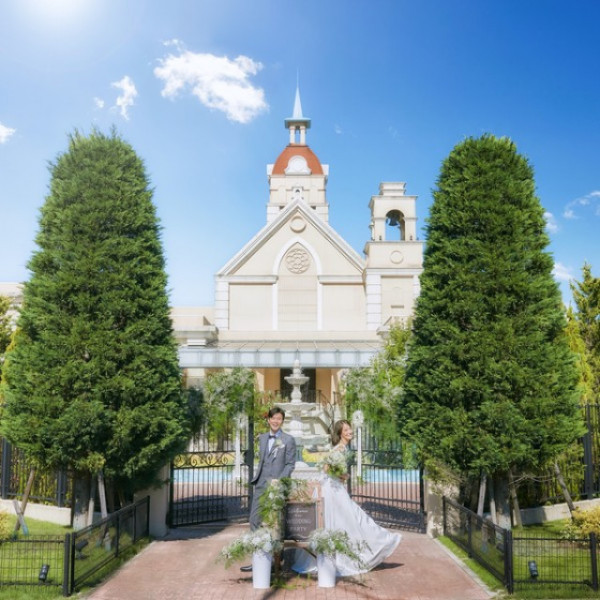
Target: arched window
pixel 394 226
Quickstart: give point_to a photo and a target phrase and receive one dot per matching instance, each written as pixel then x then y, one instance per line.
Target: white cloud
pixel 125 100
pixel 337 129
pixel 174 42
pixel 551 224
pixel 217 81
pixel 562 273
pixel 5 133
pixel 99 103
pixel 592 199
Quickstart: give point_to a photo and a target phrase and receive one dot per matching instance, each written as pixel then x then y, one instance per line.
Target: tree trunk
pixel 81 491
pixel 563 487
pixel 28 487
pixel 121 494
pixel 102 494
pixel 492 501
pixel 515 499
pixel 110 496
pixel 482 488
pixel 502 496
pixel 91 502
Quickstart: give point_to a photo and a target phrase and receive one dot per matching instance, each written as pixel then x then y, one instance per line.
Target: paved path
pixel 182 567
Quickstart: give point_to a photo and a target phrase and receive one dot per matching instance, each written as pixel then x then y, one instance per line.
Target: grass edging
pixel 485 577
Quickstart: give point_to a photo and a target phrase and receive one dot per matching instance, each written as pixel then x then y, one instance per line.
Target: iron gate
pixel 206 487
pixel 390 485
pixel 205 483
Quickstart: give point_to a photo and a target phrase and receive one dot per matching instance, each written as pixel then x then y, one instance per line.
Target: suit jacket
pixel 279 462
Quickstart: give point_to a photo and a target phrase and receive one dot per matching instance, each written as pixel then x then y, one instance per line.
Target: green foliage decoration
pixel 336 541
pixel 272 502
pixel 261 539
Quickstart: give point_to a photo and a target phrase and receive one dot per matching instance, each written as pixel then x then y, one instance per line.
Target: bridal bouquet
pixel 247 544
pixel 336 462
pixel 335 541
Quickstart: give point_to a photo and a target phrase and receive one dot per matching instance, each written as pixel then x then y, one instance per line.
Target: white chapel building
pixel 298 291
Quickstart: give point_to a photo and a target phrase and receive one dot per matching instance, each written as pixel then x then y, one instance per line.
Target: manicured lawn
pixel 22 561
pixel 556 560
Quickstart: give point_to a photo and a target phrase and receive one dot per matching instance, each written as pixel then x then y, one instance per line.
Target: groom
pixel 277 458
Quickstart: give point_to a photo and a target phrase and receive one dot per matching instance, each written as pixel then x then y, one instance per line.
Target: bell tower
pixel 394 256
pixel 297 174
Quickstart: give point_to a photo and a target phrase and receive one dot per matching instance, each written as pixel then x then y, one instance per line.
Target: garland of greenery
pixel 262 539
pixel 336 541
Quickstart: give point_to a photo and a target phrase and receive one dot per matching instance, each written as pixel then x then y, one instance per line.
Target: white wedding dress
pixel 341 512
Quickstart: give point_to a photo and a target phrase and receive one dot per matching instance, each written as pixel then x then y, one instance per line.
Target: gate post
pixel 508 561
pixel 249 459
pixel 159 513
pixel 6 464
pixel 593 556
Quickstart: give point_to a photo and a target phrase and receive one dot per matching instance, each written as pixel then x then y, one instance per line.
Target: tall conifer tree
pixel 490 381
pixel 93 380
pixel 586 294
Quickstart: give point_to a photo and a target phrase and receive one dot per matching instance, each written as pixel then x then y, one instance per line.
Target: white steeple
pixel 297 122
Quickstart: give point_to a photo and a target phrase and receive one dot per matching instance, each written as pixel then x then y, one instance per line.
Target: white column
pixel 373 300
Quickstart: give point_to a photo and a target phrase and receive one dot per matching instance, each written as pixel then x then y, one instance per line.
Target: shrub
pixel 584 522
pixel 5 526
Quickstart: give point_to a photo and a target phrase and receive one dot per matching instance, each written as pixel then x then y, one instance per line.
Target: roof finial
pixel 297 122
pixel 297 114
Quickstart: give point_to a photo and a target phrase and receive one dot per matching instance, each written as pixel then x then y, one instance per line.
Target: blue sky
pixel 201 88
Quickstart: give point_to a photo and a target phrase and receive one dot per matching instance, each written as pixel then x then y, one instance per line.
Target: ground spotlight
pixel 44 573
pixel 533 570
pixel 79 546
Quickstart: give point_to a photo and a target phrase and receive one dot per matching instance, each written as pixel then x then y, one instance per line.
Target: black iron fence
pixel 36 560
pixel 389 484
pixel 70 560
pixel 486 543
pixel 93 547
pixel 49 487
pixel 579 465
pixel 522 561
pixel 211 482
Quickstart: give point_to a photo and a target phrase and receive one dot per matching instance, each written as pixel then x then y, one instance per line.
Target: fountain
pixel 296 406
pixel 296 409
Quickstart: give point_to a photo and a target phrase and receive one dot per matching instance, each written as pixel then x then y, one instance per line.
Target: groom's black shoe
pixel 246 568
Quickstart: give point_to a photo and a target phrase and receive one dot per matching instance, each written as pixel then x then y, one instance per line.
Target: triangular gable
pixel 284 217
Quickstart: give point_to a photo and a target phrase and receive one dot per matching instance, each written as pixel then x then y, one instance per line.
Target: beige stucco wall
pixel 344 307
pixel 250 306
pixel 396 297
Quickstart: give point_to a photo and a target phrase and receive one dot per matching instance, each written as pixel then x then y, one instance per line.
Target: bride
pixel 341 512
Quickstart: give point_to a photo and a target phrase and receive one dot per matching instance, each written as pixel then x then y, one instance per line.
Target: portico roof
pixel 280 354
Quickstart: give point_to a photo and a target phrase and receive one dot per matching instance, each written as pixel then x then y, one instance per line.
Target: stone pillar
pixel 159 503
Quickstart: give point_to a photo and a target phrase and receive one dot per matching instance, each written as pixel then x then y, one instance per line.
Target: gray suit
pixel 276 464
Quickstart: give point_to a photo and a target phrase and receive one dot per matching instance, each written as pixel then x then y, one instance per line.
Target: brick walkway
pixel 182 567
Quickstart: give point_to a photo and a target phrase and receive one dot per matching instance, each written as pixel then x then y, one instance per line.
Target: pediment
pixel 296 226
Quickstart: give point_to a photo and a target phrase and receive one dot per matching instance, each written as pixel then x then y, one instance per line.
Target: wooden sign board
pixel 300 520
